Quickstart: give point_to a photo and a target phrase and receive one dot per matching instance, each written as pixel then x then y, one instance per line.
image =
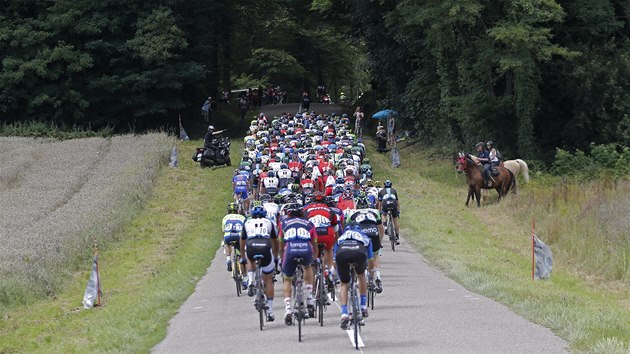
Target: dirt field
pixel 56 196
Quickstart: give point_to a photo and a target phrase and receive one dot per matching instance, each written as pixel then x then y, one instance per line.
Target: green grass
pixel 146 274
pixel 488 251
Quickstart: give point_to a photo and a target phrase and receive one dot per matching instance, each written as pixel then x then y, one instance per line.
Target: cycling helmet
pixel 211 128
pixel 232 208
pixel 369 183
pixel 271 174
pixel 278 198
pixel 258 212
pixel 295 188
pixel 362 201
pixel 308 199
pixel 318 197
pixel 366 161
pixel 265 198
pixel 294 209
pixel 284 166
pixel 256 203
pixel 388 184
pixel 258 160
pixel 339 180
pixel 378 184
pixel 347 194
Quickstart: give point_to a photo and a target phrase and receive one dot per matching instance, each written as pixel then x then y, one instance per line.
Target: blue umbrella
pixel 384 114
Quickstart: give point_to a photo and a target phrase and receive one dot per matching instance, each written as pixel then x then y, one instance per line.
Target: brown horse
pixel 502 183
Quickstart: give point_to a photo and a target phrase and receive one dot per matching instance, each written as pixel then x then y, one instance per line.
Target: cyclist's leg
pixel 395 215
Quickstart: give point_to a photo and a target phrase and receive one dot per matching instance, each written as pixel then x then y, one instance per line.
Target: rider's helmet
pixel 362 201
pixel 308 199
pixel 256 203
pixel 369 183
pixel 258 160
pixel 258 212
pixel 378 184
pixel 490 144
pixel 278 199
pixel 211 128
pixel 284 166
pixel 318 197
pixel 265 198
pixel 232 208
pixel 294 209
pixel 347 194
pixel 345 115
pixel 388 184
pixel 480 144
pixel 295 188
pixel 366 161
pixel 271 174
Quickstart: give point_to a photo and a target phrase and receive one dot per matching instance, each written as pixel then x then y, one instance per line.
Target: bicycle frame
pixel 299 307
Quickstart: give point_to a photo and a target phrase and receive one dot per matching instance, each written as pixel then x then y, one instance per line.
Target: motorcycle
pixel 209 158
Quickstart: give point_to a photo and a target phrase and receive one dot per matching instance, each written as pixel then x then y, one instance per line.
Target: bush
pixel 38 129
pixel 605 160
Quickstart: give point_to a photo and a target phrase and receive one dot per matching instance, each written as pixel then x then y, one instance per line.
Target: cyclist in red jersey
pixel 325 221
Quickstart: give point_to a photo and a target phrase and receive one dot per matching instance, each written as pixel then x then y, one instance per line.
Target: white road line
pixel 351 331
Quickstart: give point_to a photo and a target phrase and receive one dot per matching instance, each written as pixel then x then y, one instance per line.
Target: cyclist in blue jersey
pixel 298 237
pixel 352 247
pixel 241 185
pixel 232 228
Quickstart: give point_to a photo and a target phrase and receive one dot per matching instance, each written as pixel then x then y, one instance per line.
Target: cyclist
pixel 352 247
pixel 388 200
pixel 232 228
pixel 325 221
pixel 369 220
pixel 269 184
pixel 240 186
pixel 259 238
pixel 299 238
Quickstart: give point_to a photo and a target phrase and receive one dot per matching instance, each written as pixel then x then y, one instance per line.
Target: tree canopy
pixel 532 75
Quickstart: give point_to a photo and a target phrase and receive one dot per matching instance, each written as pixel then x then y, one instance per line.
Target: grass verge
pixel 146 274
pixel 487 250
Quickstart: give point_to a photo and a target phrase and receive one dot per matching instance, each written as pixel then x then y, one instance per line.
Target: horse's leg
pixel 469 194
pixel 478 195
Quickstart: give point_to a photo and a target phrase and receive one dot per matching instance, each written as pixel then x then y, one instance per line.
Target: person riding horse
pixel 483 156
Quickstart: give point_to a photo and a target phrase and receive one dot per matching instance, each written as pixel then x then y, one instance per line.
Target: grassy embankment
pixel 488 249
pixel 146 274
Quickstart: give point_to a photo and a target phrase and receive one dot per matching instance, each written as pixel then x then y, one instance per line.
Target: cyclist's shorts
pixel 271 191
pixel 261 247
pixel 292 251
pixel 232 238
pixel 328 239
pixel 388 205
pixel 376 242
pixel 242 192
pixel 348 255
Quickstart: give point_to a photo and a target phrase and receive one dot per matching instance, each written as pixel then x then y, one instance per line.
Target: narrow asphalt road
pixel 419 311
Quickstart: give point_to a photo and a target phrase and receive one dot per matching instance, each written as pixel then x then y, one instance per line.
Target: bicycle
pixel 237 274
pixel 241 204
pixel 260 302
pixel 299 308
pixel 321 297
pixel 357 317
pixel 390 231
pixel 371 290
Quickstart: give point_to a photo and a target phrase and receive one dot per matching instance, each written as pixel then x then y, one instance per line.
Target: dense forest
pixel 532 75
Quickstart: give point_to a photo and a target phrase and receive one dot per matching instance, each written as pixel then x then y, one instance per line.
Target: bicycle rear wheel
pixel 391 232
pixel 355 316
pixel 321 298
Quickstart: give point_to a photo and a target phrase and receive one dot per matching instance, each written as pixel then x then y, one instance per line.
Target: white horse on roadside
pixel 517 167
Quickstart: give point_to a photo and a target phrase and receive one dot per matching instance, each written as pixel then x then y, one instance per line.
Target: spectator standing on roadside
pixel 243 106
pixel 381 136
pixel 358 123
pixel 306 102
pixel 206 110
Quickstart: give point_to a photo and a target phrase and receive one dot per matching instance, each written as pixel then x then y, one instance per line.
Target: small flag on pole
pixel 542 258
pixel 182 132
pixel 173 163
pixel 93 292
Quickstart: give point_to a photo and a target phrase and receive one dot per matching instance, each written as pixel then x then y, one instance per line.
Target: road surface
pixel 419 311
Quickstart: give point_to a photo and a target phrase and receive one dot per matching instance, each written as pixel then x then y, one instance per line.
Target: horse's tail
pixel 512 184
pixel 524 169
